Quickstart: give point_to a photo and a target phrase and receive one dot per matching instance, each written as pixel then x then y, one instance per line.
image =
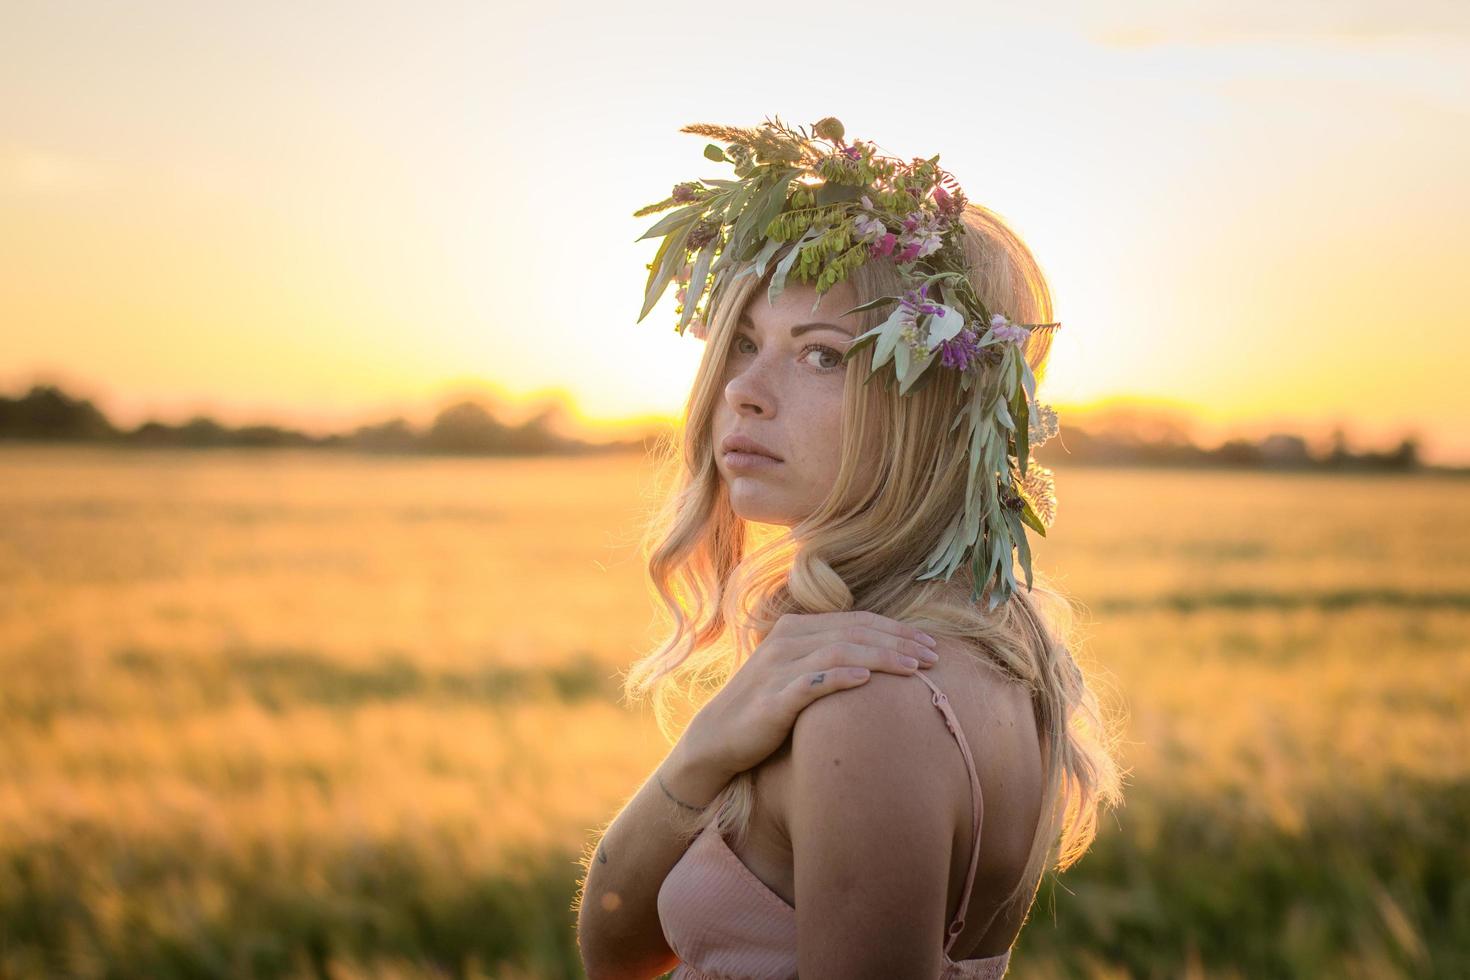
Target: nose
pixel 749 392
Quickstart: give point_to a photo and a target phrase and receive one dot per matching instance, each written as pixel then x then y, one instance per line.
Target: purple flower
pixel 918 302
pixel 960 351
pixel 685 192
pixel 853 153
pixel 920 236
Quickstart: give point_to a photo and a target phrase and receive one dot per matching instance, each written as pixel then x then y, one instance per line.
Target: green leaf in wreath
pixel 669 259
pixel 1022 416
pixel 835 194
pixel 872 304
pixel 1031 519
pixel 673 220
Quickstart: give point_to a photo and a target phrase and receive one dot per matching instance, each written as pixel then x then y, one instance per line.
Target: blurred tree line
pixel 47 414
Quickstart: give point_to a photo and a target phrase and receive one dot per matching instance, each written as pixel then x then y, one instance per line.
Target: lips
pixel 745 444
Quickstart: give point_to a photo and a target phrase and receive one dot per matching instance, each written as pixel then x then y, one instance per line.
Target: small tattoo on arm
pixel 818 678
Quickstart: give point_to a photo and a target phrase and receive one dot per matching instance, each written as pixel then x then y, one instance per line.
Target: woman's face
pixel 783 389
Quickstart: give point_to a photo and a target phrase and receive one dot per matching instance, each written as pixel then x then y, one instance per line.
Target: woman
pixel 948 716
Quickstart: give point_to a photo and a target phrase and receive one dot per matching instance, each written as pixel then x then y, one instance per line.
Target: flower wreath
pixel 818 206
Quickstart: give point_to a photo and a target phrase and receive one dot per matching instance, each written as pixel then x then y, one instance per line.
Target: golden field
pixel 293 713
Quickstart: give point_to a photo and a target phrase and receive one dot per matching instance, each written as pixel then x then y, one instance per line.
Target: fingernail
pixel 929 656
pixel 908 661
pixel 928 639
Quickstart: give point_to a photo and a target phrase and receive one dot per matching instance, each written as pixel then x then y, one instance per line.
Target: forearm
pixel 618 927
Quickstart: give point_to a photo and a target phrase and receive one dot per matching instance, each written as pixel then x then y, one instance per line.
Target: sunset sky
pixel 320 214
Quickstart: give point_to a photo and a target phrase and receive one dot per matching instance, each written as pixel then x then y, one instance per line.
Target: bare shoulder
pixel 891 720
pixel 874 732
pixel 973 683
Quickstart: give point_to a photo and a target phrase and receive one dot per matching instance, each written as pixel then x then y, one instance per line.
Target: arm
pixel 872 823
pixel 618 928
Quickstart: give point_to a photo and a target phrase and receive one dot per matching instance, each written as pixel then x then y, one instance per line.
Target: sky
pixel 326 214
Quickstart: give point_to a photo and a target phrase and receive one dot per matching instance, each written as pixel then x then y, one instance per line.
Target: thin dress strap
pixel 941 702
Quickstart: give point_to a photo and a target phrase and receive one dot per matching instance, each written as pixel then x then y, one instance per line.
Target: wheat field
pixel 295 713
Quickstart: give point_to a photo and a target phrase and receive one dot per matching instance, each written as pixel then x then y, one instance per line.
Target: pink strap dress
pixel 724 923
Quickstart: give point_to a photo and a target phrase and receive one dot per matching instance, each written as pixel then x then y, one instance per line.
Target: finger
pixel 804 624
pixel 848 654
pixel 806 688
pixel 884 640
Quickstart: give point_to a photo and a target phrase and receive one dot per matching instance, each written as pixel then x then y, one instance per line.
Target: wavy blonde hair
pixel 724 583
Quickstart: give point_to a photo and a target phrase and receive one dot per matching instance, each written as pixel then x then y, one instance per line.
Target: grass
pixel 282 714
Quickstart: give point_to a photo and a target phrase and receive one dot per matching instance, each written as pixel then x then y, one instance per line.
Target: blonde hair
pixel 724 583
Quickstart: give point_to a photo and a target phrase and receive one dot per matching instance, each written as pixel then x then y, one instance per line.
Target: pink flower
pixel 950 205
pixel 883 246
pixel 1005 330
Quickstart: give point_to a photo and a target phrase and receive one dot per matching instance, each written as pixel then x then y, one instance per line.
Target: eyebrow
pixel 802 328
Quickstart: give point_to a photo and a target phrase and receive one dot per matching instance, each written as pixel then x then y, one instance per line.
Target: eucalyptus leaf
pixel 1002 415
pixel 673 220
pixel 1023 547
pixel 1031 518
pixel 1028 380
pixel 861 340
pixel 767 250
pixel 946 326
pixel 749 228
pixel 888 337
pixel 901 361
pixel 778 281
pixel 834 194
pixel 697 281
pixel 872 304
pixel 772 203
pixel 926 376
pixel 746 270
pixel 1023 433
pixel 736 202
pixel 669 260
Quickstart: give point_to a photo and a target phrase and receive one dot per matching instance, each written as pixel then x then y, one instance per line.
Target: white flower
pixel 1043 424
pixel 869 227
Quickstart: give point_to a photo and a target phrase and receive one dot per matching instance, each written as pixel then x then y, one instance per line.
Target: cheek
pixel 823 429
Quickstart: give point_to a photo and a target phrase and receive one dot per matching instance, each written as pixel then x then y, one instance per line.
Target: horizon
pixel 1250 216
pixel 1100 416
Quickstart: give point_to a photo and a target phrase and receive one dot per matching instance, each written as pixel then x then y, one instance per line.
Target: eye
pixel 836 355
pixel 834 364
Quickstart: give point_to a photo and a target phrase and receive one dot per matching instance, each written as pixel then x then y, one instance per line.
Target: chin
pixel 754 504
